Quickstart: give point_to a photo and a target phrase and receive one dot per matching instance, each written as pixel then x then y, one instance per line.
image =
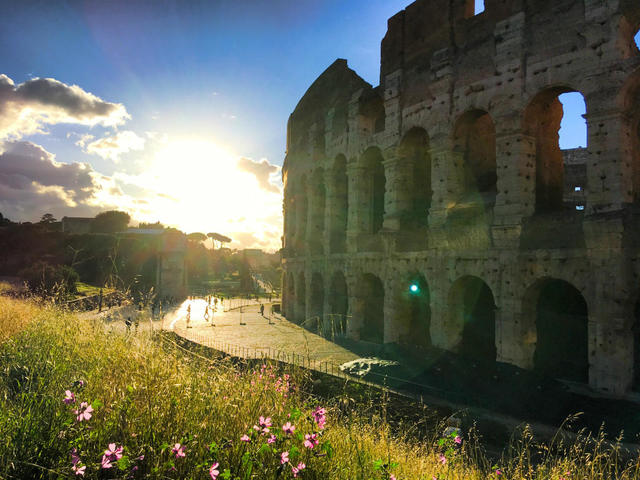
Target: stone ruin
pixel 437 209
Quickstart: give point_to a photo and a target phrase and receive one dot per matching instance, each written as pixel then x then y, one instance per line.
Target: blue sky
pixel 181 81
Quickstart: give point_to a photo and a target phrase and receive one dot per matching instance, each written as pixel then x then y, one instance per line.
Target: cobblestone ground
pixel 243 331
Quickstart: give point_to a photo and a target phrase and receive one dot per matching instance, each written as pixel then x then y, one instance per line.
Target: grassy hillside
pixel 77 400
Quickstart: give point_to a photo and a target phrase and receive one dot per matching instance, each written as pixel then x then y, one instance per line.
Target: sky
pixel 171 110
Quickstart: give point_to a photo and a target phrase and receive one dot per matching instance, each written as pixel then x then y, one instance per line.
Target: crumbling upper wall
pixel 330 93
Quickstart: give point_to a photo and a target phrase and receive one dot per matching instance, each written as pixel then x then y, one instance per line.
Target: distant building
pixel 76 225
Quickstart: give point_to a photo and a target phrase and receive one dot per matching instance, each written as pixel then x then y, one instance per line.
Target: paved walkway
pixel 243 331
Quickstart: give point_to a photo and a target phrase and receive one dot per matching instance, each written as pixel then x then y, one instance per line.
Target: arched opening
pixel 561 318
pixel 301 297
pixel 373 185
pixel 473 8
pixel 339 302
pixel 473 309
pixel 555 119
pixel 340 208
pixel 636 38
pixel 475 142
pixel 414 151
pixel 290 290
pixel 316 220
pixel 301 215
pixel 317 296
pixel 416 299
pixel 370 296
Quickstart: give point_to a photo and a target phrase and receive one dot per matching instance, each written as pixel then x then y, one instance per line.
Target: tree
pixel 197 237
pixel 110 222
pixel 45 279
pixel 151 226
pixel 218 237
pixel 48 218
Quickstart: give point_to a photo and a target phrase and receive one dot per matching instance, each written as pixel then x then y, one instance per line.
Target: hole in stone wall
pixel 479 7
pixel 562 333
pixel 637 39
pixel 573 127
pixel 340 207
pixel 555 119
pixel 473 8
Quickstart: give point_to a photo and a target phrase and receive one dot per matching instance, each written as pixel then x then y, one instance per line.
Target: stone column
pixel 396 325
pixel 358 204
pixel 516 199
pixel 356 309
pixel 445 181
pixel 399 186
pixel 329 210
pixel 444 334
pixel 301 222
pixel 315 220
pixel 610 158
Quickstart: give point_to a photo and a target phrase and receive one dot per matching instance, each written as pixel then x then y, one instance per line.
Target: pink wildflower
pixel 79 470
pixel 272 439
pixel 245 438
pixel 114 452
pixel 498 473
pixel 69 397
pixel 178 450
pixel 75 459
pixel 319 416
pixel 458 440
pixel 295 470
pixel 392 477
pixel 213 471
pixel 106 462
pixel 442 459
pixel 288 428
pixel 284 458
pixel 84 412
pixel 310 440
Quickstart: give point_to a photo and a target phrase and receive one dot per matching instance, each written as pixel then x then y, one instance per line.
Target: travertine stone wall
pixel 450 172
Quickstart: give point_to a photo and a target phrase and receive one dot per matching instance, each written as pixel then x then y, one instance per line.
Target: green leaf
pixel 130 388
pixel 265 448
pixel 226 475
pixel 327 448
pixel 294 451
pixel 295 414
pixel 377 465
pixel 123 463
pixel 96 404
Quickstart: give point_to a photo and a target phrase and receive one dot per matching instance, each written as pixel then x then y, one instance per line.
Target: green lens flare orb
pixel 414 288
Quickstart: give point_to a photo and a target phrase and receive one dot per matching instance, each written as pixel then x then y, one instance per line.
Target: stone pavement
pixel 244 332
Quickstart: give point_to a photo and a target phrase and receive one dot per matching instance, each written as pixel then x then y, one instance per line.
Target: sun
pixel 198 186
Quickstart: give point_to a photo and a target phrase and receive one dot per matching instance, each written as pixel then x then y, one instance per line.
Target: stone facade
pixel 438 209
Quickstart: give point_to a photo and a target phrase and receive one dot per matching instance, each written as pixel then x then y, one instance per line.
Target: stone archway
pixel 561 324
pixel 472 312
pixel 474 141
pixel 315 234
pixel 415 298
pixel 339 302
pixel 302 211
pixel 317 296
pixel 339 206
pixel 542 119
pixel 369 303
pixel 372 187
pixel 413 151
pixel 301 297
pixel 290 290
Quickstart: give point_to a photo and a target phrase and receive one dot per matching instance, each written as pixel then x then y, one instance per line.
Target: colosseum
pixel 438 209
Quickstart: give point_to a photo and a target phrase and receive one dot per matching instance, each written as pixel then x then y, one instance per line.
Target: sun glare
pixel 199 187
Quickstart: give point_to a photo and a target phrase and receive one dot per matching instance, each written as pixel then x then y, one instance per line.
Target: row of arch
pixel 472 175
pixel 555 308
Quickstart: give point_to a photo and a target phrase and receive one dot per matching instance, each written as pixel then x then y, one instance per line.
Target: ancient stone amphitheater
pixel 437 209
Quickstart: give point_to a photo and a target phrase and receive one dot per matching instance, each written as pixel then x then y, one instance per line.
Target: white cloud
pixel 26 108
pixel 263 171
pixel 110 148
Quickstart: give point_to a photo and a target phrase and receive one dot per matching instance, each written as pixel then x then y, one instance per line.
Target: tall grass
pixel 148 395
